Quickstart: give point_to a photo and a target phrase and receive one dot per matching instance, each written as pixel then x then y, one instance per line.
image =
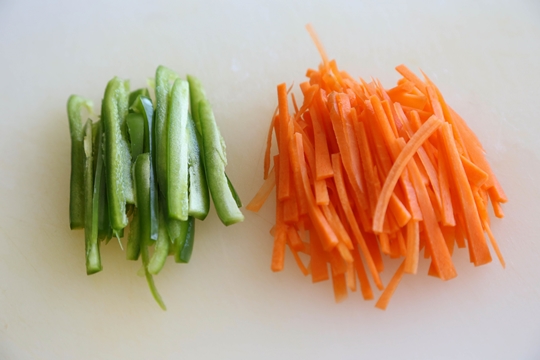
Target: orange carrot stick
pixel 322 156
pixel 342 193
pixel 399 165
pixel 283 141
pixel 340 287
pixel 446 199
pixel 321 191
pixel 365 287
pixel 327 235
pixel 367 164
pixel 476 153
pixel 477 241
pixel 413 247
pixel 435 240
pixel 409 75
pixel 269 144
pixel 319 266
pixel 278 254
pixel 268 149
pixel 351 166
pixel 262 195
pixel 384 300
pixel 494 244
pixel 318 43
pixel 350 277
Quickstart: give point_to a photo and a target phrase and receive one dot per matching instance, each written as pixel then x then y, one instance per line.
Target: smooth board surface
pixel 227 304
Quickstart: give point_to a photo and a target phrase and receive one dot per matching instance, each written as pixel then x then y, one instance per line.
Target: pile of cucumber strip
pixel 151 165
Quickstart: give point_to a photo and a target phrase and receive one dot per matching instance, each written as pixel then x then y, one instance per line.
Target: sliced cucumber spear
pixel 177 151
pixel 157 168
pixel 141 171
pixel 165 78
pixel 199 198
pixel 215 161
pixel 143 106
pixel 118 158
pixel 183 246
pixel 214 158
pixel 76 130
pixel 163 245
pixel 91 199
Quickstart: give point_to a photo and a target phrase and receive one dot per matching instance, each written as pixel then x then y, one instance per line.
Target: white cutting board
pixel 227 304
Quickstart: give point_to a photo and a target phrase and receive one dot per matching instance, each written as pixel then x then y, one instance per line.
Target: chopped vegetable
pixel 76 130
pixel 118 158
pixel 215 161
pixel 155 173
pixel 177 151
pixel 199 199
pixel 362 170
pixel 93 257
pixel 143 105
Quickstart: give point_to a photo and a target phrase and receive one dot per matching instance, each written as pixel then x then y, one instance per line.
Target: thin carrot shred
pixel 260 198
pixel 399 165
pixel 363 171
pixel 383 301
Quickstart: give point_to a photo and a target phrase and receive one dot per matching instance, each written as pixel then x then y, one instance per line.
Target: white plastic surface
pixel 227 304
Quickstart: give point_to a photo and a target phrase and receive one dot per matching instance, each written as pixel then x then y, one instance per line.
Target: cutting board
pixel 226 303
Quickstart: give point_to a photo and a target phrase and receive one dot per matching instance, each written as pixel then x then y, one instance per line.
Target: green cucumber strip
pixel 136 93
pixel 183 253
pixel 180 240
pixel 197 94
pixel 104 223
pixel 177 151
pixel 103 208
pixel 163 245
pixel 96 138
pixel 118 159
pixel 133 247
pixel 99 190
pixel 143 105
pixel 93 258
pixel 76 130
pixel 233 191
pixel 165 78
pixel 215 163
pixel 149 278
pixel 199 198
pixel 142 179
pixel 136 124
pixel 141 174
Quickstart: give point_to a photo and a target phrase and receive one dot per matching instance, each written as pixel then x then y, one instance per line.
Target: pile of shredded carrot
pixel 363 171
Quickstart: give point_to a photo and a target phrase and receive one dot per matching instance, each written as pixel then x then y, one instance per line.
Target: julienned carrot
pixel 323 168
pixel 259 199
pixel 439 252
pixel 363 170
pixel 283 119
pixel 269 140
pixel 383 301
pixel 413 247
pixel 400 164
pixel 342 193
pixel 473 225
